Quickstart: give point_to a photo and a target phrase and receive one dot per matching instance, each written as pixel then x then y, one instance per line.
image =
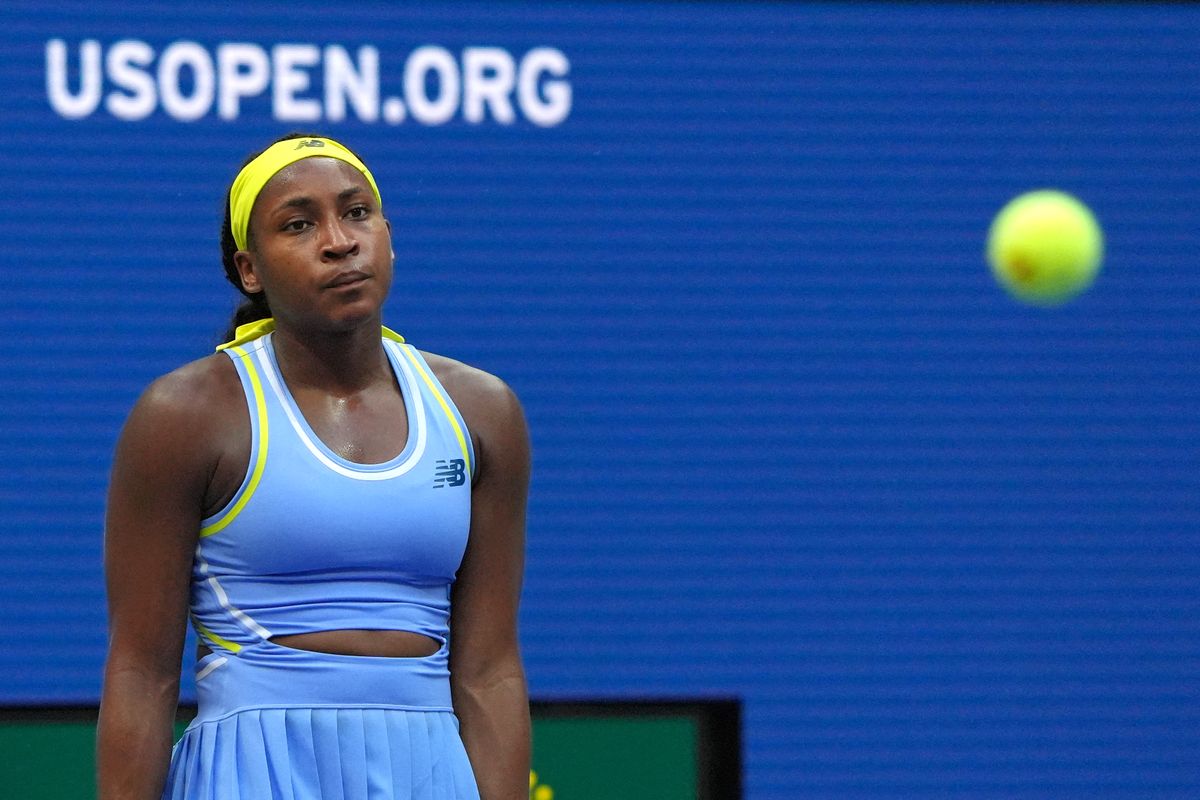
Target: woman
pixel 317 495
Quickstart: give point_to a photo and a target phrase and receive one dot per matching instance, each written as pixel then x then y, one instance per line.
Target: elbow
pixel 502 676
pixel 148 682
pixel 499 662
pixel 476 680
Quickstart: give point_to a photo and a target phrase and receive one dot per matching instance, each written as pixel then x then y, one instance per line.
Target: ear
pixel 244 262
pixel 388 222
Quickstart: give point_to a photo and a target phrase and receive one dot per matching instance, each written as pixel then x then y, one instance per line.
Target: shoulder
pixel 489 406
pixel 469 385
pixel 195 390
pixel 188 404
pixel 179 431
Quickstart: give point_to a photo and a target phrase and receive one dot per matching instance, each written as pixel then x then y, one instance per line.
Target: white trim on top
pixel 212 665
pixel 413 391
pixel 241 616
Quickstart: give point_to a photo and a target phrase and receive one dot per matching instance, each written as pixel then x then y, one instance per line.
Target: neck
pixel 342 362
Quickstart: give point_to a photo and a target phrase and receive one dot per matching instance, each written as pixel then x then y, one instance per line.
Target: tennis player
pixel 340 515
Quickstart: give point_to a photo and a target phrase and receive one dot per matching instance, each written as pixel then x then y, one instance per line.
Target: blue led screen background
pixel 792 443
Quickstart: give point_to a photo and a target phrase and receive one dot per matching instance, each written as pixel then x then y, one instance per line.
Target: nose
pixel 340 242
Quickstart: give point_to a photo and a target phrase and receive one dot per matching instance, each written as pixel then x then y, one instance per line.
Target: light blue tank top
pixel 313 542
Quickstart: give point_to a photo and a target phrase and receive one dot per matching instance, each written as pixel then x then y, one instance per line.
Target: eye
pixel 358 212
pixel 295 225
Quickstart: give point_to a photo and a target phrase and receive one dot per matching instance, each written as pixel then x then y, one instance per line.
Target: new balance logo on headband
pixel 450 473
pixel 309 143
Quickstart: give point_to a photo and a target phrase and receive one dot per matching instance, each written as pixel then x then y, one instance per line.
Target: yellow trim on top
pixel 433 387
pixel 248 333
pixel 260 407
pixel 224 644
pixel 261 327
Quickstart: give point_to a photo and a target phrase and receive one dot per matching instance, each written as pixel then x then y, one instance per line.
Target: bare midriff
pixel 386 644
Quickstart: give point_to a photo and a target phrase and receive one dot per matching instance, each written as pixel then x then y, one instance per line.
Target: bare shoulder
pixel 182 445
pixel 473 389
pixel 489 406
pixel 203 389
pixel 193 414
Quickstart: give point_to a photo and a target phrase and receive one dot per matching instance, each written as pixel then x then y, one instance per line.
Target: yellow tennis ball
pixel 1045 247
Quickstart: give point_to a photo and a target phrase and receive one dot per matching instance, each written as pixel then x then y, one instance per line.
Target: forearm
pixel 134 736
pixel 494 714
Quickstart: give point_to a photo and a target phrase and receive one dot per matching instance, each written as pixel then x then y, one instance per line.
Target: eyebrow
pixel 305 201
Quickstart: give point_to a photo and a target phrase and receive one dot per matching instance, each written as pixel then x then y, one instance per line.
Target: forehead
pixel 314 178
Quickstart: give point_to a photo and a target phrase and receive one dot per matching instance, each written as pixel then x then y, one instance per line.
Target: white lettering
pixel 488 80
pixel 481 83
pixel 244 70
pixel 204 80
pixel 420 63
pixel 123 63
pixel 90 80
pixel 289 79
pixel 343 82
pixel 556 104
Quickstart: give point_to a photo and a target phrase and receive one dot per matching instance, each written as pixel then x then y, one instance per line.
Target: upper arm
pixel 160 474
pixel 488 588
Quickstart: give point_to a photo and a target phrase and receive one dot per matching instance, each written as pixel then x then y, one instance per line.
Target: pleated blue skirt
pixel 282 724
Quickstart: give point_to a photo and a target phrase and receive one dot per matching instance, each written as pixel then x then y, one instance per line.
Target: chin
pixel 347 319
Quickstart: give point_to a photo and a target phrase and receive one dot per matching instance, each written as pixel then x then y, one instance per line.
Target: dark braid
pixel 255 306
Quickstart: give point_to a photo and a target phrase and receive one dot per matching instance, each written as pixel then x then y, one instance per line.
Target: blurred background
pixel 793 445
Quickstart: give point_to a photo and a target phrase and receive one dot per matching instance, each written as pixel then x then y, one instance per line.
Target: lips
pixel 348 278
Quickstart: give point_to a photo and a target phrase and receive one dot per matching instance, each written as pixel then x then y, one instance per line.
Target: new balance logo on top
pixel 450 473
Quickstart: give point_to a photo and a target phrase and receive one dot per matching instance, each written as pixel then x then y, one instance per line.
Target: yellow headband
pixel 254 176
